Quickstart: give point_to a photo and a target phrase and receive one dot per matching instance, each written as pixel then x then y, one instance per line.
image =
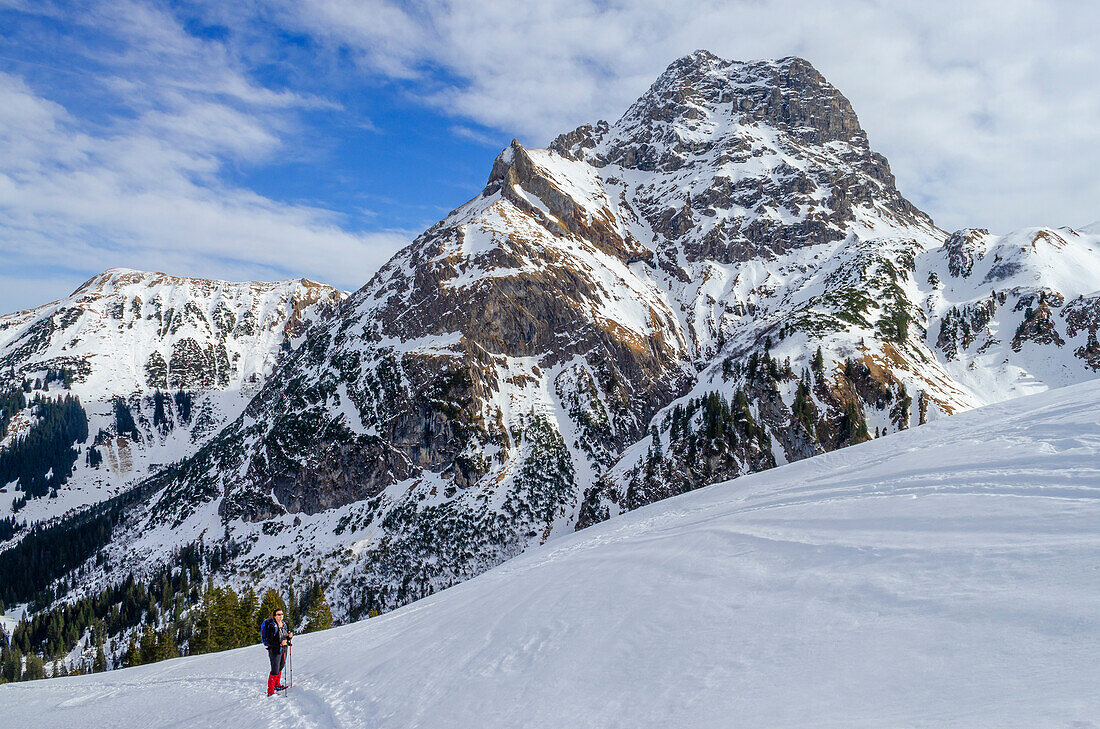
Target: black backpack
pixel 265 631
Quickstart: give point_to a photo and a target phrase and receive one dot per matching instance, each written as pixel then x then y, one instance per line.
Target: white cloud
pixel 145 188
pixel 478 137
pixel 987 110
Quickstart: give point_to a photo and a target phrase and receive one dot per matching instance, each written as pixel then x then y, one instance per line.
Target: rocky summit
pixel 723 280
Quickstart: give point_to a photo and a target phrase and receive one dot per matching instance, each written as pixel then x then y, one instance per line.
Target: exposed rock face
pixel 1082 316
pixel 723 280
pixel 960 328
pixel 961 247
pixel 1038 322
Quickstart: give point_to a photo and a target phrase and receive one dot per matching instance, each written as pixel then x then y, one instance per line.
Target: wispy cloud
pixel 146 186
pixel 478 137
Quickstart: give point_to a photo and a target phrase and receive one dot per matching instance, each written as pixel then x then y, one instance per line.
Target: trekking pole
pixel 290 665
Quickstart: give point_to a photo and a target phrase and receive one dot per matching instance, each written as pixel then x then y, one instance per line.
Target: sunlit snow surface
pixel 944 576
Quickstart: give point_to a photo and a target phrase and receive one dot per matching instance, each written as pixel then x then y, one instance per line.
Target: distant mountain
pixel 177 356
pixel 724 280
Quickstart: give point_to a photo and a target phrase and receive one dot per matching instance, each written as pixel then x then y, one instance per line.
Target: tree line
pixel 43 458
pixel 135 623
pixel 49 551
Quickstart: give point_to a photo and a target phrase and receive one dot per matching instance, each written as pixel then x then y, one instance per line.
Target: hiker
pixel 275 636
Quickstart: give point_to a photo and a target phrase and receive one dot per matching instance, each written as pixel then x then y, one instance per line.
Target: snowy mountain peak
pixel 701 97
pixel 157 319
pixel 126 337
pixel 731 161
pixel 788 93
pixel 98 281
pixel 114 280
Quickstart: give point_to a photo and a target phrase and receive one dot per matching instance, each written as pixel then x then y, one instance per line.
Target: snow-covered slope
pixel 941 577
pixel 124 335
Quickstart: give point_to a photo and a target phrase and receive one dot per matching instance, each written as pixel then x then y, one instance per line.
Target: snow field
pixel 941 577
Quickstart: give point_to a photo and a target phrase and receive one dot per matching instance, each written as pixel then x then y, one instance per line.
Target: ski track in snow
pixel 941 577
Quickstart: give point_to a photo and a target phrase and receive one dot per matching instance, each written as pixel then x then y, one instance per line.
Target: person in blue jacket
pixel 275 635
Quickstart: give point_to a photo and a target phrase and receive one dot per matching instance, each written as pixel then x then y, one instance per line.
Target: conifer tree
pixel 220 625
pixel 291 606
pixel 319 615
pixel 124 420
pixel 204 624
pixel 148 644
pixel 34 668
pixel 803 407
pixel 249 619
pixel 230 620
pixel 133 655
pixel 853 425
pixel 13 665
pixel 271 601
pixel 183 406
pixel 166 644
pixel 160 418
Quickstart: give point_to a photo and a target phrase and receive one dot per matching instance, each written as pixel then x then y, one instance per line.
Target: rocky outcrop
pixel 1082 314
pixel 1038 325
pixel 961 248
pixel 962 327
pixel 1082 317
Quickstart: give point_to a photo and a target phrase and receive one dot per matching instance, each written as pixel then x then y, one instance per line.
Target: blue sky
pixel 262 140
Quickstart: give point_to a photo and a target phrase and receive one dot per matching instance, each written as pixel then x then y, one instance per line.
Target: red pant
pixel 278 660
